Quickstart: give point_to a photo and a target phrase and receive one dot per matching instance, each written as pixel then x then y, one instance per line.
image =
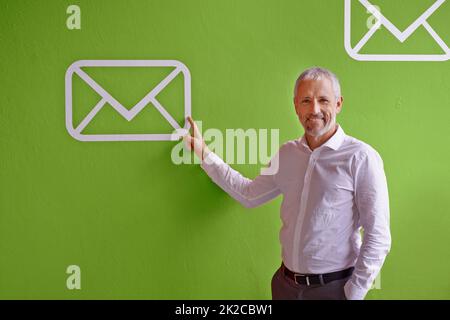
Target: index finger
pixel 194 127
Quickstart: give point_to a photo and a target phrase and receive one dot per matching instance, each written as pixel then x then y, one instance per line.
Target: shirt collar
pixel 334 142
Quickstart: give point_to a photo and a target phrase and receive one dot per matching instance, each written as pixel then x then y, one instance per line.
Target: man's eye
pixel 324 100
pixel 305 101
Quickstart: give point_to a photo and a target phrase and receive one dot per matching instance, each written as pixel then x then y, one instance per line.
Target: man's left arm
pixel 372 201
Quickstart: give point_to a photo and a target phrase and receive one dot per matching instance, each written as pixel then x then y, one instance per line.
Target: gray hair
pixel 316 73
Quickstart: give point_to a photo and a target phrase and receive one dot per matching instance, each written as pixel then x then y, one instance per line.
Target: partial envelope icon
pixel 400 35
pixel 106 98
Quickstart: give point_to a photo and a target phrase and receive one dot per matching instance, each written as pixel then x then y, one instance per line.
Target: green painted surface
pixel 141 227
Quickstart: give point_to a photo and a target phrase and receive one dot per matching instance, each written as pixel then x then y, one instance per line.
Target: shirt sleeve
pixel 372 201
pixel 250 193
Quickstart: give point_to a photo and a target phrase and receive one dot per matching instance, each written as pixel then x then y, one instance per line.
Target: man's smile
pixel 316 120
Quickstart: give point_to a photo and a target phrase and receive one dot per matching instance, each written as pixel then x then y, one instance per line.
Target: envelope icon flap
pixel 401 35
pixel 402 13
pixel 129 85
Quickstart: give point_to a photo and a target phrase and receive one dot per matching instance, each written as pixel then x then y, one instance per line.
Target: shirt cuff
pixel 210 162
pixel 353 292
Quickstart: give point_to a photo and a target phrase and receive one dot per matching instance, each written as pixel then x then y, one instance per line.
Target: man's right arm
pixel 250 193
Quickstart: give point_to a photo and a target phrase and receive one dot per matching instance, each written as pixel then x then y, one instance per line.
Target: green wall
pixel 141 227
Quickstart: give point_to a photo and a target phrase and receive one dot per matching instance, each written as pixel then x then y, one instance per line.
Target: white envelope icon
pixel 400 35
pixel 148 99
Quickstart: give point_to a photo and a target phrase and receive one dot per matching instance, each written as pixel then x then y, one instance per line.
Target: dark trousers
pixel 284 288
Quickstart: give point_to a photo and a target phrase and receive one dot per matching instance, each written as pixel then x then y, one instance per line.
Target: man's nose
pixel 315 107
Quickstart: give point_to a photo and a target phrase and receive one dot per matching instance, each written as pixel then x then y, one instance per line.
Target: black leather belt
pixel 311 279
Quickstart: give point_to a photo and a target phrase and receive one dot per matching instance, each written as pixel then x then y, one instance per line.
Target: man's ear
pixel 339 103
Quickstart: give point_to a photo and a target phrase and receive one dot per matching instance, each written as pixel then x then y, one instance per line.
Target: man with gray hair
pixel 333 185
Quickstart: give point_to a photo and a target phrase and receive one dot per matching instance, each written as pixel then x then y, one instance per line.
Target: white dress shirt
pixel 328 195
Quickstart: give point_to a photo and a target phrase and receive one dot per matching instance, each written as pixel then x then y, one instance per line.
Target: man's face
pixel 317 106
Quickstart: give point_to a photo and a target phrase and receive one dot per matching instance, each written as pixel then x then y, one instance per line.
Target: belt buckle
pixel 301 275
